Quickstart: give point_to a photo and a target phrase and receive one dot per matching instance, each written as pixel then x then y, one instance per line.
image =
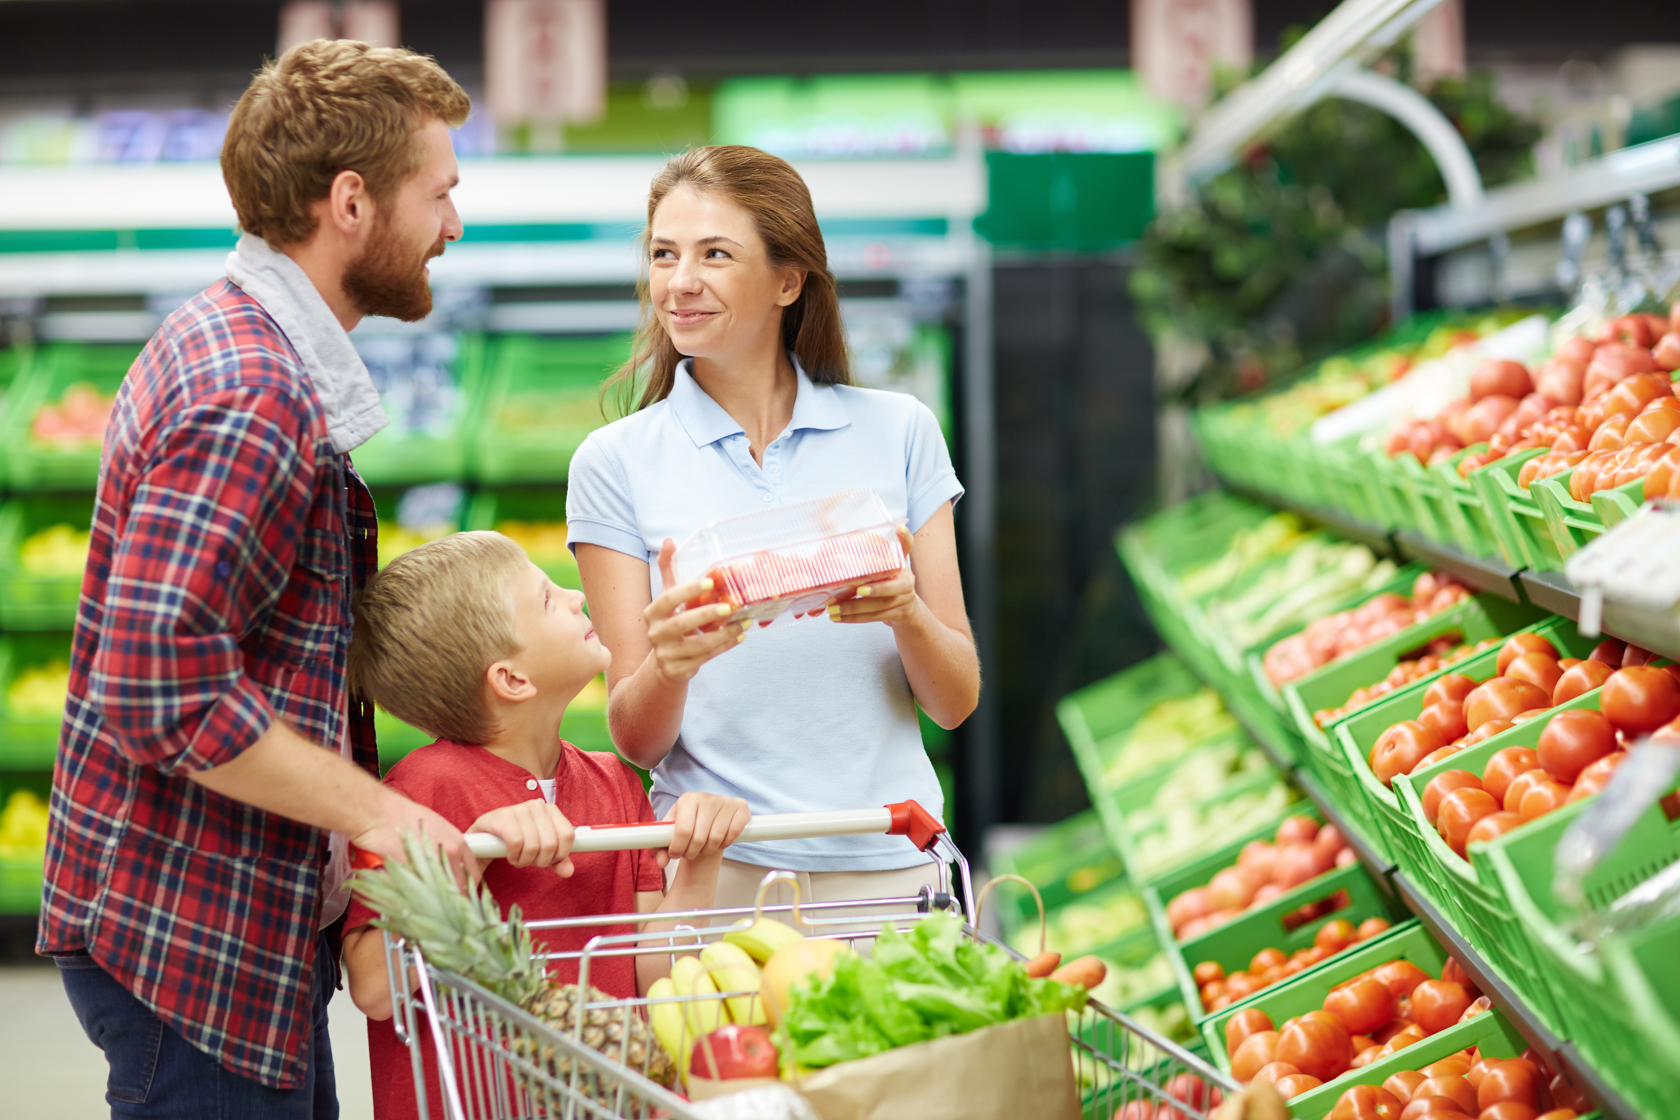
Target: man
pixel 212 764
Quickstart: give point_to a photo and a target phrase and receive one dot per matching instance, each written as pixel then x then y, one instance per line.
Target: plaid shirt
pixel 227 539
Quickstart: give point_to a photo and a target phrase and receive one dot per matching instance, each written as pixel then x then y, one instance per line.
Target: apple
pixel 741 1051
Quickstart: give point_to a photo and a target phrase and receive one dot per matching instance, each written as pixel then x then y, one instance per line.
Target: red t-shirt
pixel 463 783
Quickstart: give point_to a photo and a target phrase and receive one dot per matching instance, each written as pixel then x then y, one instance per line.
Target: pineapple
pixel 463 932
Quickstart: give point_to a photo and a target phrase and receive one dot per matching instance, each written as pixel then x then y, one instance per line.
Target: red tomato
pixel 1267 958
pixel 1448 688
pixel 1609 652
pixel 1207 972
pixel 1437 1004
pixel 1492 827
pixel 1441 785
pixel 1297 829
pixel 1297 1083
pixel 1404 1084
pixel 1481 1004
pixel 1518 644
pixel 1524 782
pixel 1454 971
pixel 1370 928
pixel 1580 679
pixel 1516 1079
pixel 1367 1102
pixel 1334 936
pixel 1315 1047
pixel 1479 1069
pixel 1456 1065
pixel 1400 976
pixel 1510 1110
pixel 1640 699
pixel 1503 768
pixel 1574 739
pixel 1542 798
pixel 1431 1108
pixel 1597 773
pixel 1458 813
pixel 1566 1096
pixel 1258 1049
pixel 1537 669
pixel 1487 731
pixel 1274 1070
pixel 1454 1087
pixel 1502 698
pixel 1446 720
pixel 1560 1113
pixel 1239 1027
pixel 1400 748
pixel 1363 1007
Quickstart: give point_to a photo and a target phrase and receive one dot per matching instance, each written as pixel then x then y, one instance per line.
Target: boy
pixel 467 638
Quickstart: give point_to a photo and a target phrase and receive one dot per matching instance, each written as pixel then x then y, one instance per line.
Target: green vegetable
pixel 929 983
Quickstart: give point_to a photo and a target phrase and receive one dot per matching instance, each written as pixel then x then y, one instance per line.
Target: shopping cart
pixel 495 1061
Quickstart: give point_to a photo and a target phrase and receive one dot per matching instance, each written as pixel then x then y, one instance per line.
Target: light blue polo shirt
pixel 807 715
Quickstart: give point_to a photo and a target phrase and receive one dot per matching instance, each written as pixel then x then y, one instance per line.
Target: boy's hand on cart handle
pixel 702 825
pixel 892 600
pixel 683 640
pixel 384 839
pixel 536 833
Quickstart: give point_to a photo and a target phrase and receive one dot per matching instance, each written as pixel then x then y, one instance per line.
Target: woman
pixel 746 403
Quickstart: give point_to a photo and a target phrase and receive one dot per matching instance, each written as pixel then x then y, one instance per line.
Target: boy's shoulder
pixel 605 767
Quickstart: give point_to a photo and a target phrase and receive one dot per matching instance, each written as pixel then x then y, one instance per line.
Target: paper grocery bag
pixel 1006 1072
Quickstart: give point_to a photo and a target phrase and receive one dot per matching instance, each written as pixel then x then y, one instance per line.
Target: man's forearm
pixel 287 774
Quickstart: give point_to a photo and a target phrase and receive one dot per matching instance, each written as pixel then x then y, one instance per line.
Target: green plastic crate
pixel 1346 481
pixel 1642 972
pixel 1064 861
pixel 32 465
pixel 1131 835
pixel 1591 1006
pixel 542 401
pixel 1393 831
pixel 20 874
pixel 1573 524
pixel 1476 618
pixel 1473 527
pixel 1426 497
pixel 1233 945
pixel 28 742
pixel 401 454
pixel 1526 533
pixel 30 602
pixel 1392 498
pixel 488 509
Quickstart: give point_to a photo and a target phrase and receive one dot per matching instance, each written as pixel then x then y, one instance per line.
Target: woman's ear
pixel 793 283
pixel 508 684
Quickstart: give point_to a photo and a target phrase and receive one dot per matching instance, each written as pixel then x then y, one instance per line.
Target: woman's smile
pixel 689 316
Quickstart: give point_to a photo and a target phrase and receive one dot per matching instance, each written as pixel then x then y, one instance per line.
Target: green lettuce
pixel 928 983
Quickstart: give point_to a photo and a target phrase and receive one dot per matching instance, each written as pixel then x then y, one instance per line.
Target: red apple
pixel 741 1051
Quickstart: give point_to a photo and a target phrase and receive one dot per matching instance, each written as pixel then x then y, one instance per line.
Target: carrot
pixel 1086 972
pixel 1043 964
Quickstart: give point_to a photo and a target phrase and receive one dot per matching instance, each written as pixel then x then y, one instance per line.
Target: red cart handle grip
pixel 910 819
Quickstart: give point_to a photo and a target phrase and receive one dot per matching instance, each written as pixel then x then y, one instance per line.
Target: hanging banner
pixel 545 60
pixel 1176 45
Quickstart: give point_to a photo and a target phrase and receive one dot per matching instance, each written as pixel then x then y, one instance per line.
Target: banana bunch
pixel 730 965
pixel 763 938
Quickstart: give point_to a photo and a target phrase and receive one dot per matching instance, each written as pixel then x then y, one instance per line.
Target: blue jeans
pixel 158 1075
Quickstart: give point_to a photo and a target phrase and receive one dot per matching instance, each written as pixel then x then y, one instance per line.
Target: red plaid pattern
pixel 227 539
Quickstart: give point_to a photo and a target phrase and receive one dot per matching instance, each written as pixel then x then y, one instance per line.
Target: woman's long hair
pixel 769 189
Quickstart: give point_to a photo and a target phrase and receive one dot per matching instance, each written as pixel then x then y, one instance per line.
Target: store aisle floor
pixel 49 1070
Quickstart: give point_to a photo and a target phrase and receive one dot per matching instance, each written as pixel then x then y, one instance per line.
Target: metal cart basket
pixel 495 1061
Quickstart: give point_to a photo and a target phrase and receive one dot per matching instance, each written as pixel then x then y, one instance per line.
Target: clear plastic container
pixel 792 560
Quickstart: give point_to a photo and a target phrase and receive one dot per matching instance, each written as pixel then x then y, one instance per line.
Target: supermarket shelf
pixel 1654 631
pixel 1378 540
pixel 1553 592
pixel 1562 1055
pixel 1493 576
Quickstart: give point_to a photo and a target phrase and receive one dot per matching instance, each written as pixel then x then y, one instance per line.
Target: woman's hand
pixel 684 640
pixel 704 825
pixel 892 600
pixel 536 834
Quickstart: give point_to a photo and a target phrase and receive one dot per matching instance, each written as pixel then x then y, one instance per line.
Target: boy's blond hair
pixel 324 107
pixel 429 624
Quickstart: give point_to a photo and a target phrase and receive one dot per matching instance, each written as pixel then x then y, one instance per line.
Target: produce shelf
pixel 1373 537
pixel 1553 592
pixel 1493 576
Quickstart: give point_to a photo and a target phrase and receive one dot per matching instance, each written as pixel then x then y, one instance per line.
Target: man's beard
pixel 387 280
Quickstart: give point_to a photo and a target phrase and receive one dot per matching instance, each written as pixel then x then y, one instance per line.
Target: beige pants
pixel 738 886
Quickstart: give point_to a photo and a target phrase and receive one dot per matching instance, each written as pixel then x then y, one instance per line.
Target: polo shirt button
pixel 530 783
pixel 767 497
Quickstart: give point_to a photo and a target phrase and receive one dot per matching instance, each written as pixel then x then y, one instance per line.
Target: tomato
pixel 1634 655
pixel 1516 1079
pixel 1370 928
pixel 1597 773
pixel 1401 747
pixel 1363 1007
pixel 1446 720
pixel 1367 1102
pixel 1454 1087
pixel 1189 1089
pixel 1559 1114
pixel 1433 757
pixel 1454 971
pixel 1537 669
pixel 1271 1071
pixel 1137 1110
pixel 1431 1108
pixel 1609 651
pixel 1580 679
pixel 1518 644
pixel 1456 1065
pixel 1640 699
pixel 1487 731
pixel 1309 956
pixel 1267 958
pixel 1502 698
pixel 1441 785
pixel 1249 1021
pixel 1523 783
pixel 1297 829
pixel 1510 1110
pixel 1317 1048
pixel 1232 888
pixel 1334 936
pixel 1542 798
pixel 1479 1068
pixel 1242 984
pixel 1566 1096
pixel 1437 1004
pixel 1492 827
pixel 1448 688
pixel 1207 972
pixel 1502 769
pixel 1573 740
pixel 1400 976
pixel 1404 1083
pixel 1459 811
pixel 1295 1084
pixel 1258 1049
pixel 1482 1004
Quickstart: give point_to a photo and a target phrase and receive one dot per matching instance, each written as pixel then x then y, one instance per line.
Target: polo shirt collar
pixel 705 421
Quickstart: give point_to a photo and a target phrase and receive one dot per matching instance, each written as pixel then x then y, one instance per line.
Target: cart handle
pixel 904 818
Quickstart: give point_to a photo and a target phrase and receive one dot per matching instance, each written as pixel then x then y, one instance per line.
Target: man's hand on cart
pixel 536 833
pixel 384 839
pixel 703 824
